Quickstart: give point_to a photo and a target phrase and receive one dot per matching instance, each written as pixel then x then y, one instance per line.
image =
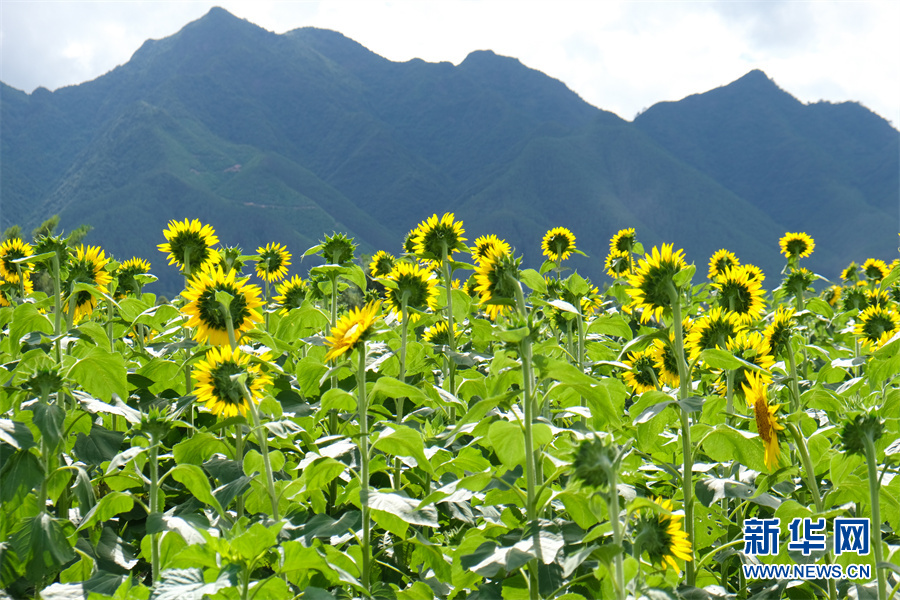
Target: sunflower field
pixel 445 423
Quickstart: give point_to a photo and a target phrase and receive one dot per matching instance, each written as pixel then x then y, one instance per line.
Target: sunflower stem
pixel 239 457
pixel 729 395
pixel 262 439
pixel 875 528
pixel 684 389
pixel 363 410
pixel 612 500
pixel 795 384
pixel 57 306
pixel 451 338
pixel 404 327
pixel 154 504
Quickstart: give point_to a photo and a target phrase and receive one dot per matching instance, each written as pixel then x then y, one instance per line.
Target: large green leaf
pixel 508 441
pixel 110 505
pixel 400 440
pixel 195 480
pixel 42 545
pixel 101 373
pixel 179 584
pixel 727 444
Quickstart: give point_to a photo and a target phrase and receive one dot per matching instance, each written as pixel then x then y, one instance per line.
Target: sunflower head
pixel 767 425
pixel 659 534
pixel 189 244
pixel 754 273
pixel 855 432
pixel 486 243
pixel 558 244
pixel 623 241
pixel 855 297
pixel 229 258
pixel 643 375
pixel 227 381
pixel 878 298
pixel 10 291
pixel 291 294
pixel 664 361
pixel 752 347
pixel 720 261
pixel 10 250
pixel 712 330
pixel 437 334
pixel 618 264
pixel 739 294
pixel 352 329
pixel 851 273
pixel 832 295
pixel 876 325
pixel 208 315
pixel 337 249
pixel 436 236
pixel 273 263
pixel 798 281
pixel 126 276
pixel 653 281
pixel 44 382
pixel 778 332
pixel 796 245
pixel 414 283
pixel 409 242
pixel 381 264
pixel 595 459
pixel 875 269
pixel 497 277
pixel 87 266
pixel 56 244
pixel 591 302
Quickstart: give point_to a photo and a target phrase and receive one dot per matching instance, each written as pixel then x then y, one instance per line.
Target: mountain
pixel 289 137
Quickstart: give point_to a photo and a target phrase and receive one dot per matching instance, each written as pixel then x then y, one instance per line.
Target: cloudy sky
pixel 620 56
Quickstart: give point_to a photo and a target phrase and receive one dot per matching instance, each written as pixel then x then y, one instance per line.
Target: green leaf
pixel 16 434
pixel 179 584
pixel 21 474
pixel 322 471
pixel 49 419
pixel 27 318
pixel 197 449
pixel 394 388
pixel 683 277
pixel 101 373
pixel 612 325
pixel 534 280
pixel 564 306
pixel 403 508
pixel 337 399
pixel 42 546
pixel 256 540
pixel 196 482
pixel 720 359
pixel 576 284
pixel 355 275
pixel 726 444
pixel 399 440
pixel 513 336
pixel 578 508
pixel 110 505
pixel 508 441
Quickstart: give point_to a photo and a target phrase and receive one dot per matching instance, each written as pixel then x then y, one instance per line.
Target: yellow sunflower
pixel 623 241
pixel 754 273
pixel 618 264
pixel 87 266
pixel 351 329
pixel 126 273
pixel 720 261
pixel 739 294
pixel 273 262
pixel 767 425
pixel 752 347
pixel 437 334
pixel 435 236
pixel 189 244
pixel 664 361
pixel 291 294
pixel 337 249
pixel 851 273
pixel 876 325
pixel 205 312
pixel 712 330
pixel 591 302
pixel 798 281
pixel 650 285
pixel 381 264
pixel 10 250
pixel 558 244
pixel 778 332
pixel 659 534
pixel 495 278
pixel 485 243
pixel 643 376
pixel 796 245
pixel 832 295
pixel 855 297
pixel 416 283
pixel 875 269
pixel 9 290
pixel 216 387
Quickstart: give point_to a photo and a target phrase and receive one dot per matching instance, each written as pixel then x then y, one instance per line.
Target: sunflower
pixel 712 330
pixel 778 333
pixel 855 297
pixel 720 261
pixel 739 294
pixel 496 277
pixel 219 389
pixel 125 276
pixel 832 295
pixel 798 281
pixel 437 334
pixel 87 266
pixel 485 243
pixel 230 258
pixel 273 262
pixel 351 329
pixel 878 298
pixel 752 347
pixel 292 293
pixel 851 273
pixel 337 249
pixel 435 236
pixel 9 290
pixel 414 282
pixel 767 425
pixel 651 283
pixel 875 269
pixel 409 242
pixel 618 264
pixel 205 312
pixel 796 245
pixel 623 241
pixel 591 302
pixel 189 244
pixel 664 362
pixel 10 250
pixel 754 273
pixel 558 244
pixel 876 325
pixel 381 264
pixel 643 376
pixel 659 534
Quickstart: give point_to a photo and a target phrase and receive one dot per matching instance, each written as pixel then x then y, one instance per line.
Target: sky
pixel 619 56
